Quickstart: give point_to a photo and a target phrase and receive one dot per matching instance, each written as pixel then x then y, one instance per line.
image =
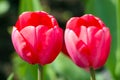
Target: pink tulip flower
pixel 37 38
pixel 87 41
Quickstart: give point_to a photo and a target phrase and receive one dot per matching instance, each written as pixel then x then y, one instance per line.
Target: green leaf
pixel 118 40
pixel 106 10
pixel 4 6
pixel 61 69
pixel 10 76
pixel 29 5
pixel 65 69
pixel 23 70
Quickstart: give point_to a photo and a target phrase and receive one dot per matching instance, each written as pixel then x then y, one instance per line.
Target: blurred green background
pixel 13 68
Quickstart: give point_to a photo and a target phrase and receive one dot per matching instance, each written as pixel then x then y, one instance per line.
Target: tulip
pixel 37 37
pixel 87 40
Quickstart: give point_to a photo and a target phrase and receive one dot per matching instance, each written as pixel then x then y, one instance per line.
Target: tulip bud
pixel 37 37
pixel 87 41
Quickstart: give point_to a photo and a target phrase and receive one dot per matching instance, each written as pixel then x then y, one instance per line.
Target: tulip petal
pixel 55 39
pixel 21 46
pixel 29 34
pixel 99 41
pixel 23 20
pixel 95 44
pixel 107 39
pixel 91 31
pixel 17 39
pixel 73 25
pixel 106 47
pixel 92 21
pixel 41 42
pixel 71 41
pixel 40 18
pixel 83 34
pixel 35 19
pixel 51 42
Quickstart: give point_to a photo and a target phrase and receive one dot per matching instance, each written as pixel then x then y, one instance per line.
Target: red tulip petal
pixel 23 20
pixel 106 47
pixel 99 42
pixel 92 21
pixel 84 51
pixel 21 46
pixel 107 39
pixel 51 42
pixel 83 34
pixel 95 43
pixel 17 39
pixel 73 25
pixel 91 31
pixel 35 19
pixel 55 39
pixel 40 18
pixel 71 40
pixel 29 34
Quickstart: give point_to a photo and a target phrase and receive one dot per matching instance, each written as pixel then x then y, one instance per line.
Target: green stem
pixel 118 39
pixel 92 74
pixel 40 72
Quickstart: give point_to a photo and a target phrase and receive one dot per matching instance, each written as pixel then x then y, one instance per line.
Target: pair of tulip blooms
pixel 38 39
